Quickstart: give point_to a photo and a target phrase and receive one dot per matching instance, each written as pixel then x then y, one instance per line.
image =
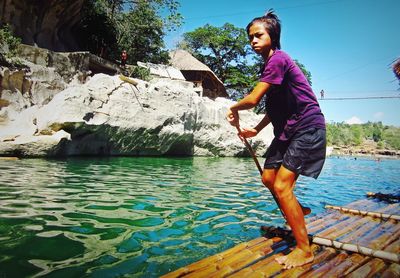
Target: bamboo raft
pixel 359 240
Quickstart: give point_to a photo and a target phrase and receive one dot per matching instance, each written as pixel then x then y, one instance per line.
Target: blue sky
pixel 347 45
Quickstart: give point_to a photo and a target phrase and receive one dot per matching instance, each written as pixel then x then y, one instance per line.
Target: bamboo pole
pixel 370 269
pixel 127 79
pixel 357 249
pixel 337 218
pixel 365 213
pixel 260 170
pixel 360 203
pixel 392 271
pixel 391 209
pixel 387 238
pixel 9 158
pixel 378 232
pixel 341 228
pixel 319 258
pixel 339 245
pixel 328 265
pixel 221 262
pixel 365 228
pixel 366 204
pixel 393 247
pixel 353 261
pixel 357 263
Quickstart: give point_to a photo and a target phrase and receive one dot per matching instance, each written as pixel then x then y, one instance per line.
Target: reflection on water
pixel 147 216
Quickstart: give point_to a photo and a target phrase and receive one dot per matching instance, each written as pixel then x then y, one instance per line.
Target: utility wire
pixel 258 10
pixel 354 98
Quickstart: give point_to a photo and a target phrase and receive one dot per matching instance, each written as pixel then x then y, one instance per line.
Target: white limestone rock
pixel 109 117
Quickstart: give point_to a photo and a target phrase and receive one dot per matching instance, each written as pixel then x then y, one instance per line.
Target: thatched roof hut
pixel 194 70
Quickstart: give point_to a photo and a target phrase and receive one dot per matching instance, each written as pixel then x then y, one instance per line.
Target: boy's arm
pixel 263 123
pixel 252 99
pixel 248 102
pixel 251 132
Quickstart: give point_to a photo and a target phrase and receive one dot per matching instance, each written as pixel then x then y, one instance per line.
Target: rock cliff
pixel 47 24
pixel 44 114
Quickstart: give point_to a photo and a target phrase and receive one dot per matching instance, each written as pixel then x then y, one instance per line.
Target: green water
pixel 143 217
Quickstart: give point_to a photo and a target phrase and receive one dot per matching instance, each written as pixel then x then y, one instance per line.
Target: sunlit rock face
pixel 106 116
pixel 46 24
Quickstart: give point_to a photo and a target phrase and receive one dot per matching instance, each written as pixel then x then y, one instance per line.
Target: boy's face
pixel 259 38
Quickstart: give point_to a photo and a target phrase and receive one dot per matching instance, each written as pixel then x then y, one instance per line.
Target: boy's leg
pixel 268 179
pixel 305 210
pixel 283 187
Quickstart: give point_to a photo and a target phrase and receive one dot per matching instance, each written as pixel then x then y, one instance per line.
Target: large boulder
pixel 107 116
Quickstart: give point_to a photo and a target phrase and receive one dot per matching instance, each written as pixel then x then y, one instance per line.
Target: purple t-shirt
pixel 291 104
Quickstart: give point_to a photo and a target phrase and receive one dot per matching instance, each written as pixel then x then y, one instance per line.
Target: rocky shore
pixel 368 148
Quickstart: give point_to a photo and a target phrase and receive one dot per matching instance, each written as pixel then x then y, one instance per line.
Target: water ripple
pixel 129 216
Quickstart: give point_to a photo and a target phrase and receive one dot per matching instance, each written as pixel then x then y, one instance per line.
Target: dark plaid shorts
pixel 304 153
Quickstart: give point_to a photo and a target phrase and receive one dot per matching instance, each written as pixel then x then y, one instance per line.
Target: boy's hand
pixel 248 132
pixel 233 117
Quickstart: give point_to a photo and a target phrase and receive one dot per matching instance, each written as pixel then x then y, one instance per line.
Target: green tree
pixel 304 70
pixel 8 42
pixel 141 34
pixel 97 30
pixel 8 47
pixel 357 134
pixel 109 26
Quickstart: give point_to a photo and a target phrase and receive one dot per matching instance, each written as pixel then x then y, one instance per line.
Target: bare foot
pixel 295 258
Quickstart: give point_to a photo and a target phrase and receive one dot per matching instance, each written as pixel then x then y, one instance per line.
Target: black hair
pixel 272 24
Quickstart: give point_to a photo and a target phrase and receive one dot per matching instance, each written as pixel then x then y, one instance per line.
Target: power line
pixel 258 10
pixel 355 98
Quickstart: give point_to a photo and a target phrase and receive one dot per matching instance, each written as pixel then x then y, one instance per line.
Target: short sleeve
pixel 274 70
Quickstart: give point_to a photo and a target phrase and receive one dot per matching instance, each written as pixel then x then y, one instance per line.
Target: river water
pixel 143 217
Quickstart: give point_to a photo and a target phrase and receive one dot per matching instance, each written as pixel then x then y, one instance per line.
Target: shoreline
pixel 364 152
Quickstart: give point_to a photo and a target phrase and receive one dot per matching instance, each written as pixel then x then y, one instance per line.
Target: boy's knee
pixel 268 179
pixel 283 187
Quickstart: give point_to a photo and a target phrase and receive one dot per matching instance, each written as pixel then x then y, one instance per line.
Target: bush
pixel 342 134
pixel 139 72
pixel 8 42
